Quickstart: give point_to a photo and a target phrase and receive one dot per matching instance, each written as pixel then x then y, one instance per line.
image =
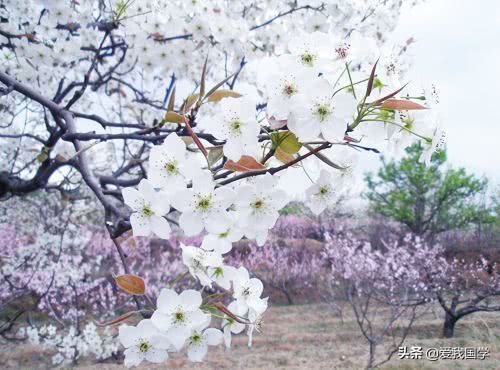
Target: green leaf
pixel 283 156
pixel 214 155
pixel 286 141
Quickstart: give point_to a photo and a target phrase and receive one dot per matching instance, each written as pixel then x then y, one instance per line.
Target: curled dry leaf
pixel 132 284
pixel 220 94
pixel 397 104
pixel 245 164
pixel 171 116
pixel 189 102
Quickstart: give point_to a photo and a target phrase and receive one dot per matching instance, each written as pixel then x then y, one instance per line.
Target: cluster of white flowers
pixel 312 99
pixel 182 321
pixel 54 38
pixel 72 344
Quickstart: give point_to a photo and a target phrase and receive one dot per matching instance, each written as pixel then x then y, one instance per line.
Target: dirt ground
pixel 308 337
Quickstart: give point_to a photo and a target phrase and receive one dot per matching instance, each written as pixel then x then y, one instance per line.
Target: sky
pixel 457 48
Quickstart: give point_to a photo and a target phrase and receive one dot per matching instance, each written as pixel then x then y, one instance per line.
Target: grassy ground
pixel 309 337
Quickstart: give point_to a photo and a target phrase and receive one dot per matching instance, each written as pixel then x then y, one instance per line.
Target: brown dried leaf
pixel 189 102
pixel 379 101
pixel 220 94
pixel 131 284
pixel 171 116
pixel 401 105
pixel 244 164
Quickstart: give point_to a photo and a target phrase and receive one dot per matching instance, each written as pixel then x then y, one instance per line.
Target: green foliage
pixel 496 207
pixel 294 208
pixel 427 199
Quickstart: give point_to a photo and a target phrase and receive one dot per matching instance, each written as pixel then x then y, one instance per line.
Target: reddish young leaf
pixel 379 101
pixel 220 306
pixel 245 164
pixel 401 105
pixel 195 137
pixel 132 284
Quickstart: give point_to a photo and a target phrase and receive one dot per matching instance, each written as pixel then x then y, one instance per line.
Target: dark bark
pixel 449 326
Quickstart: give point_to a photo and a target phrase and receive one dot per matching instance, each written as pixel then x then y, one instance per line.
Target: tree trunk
pixel 449 326
pixel 287 295
pixel 371 355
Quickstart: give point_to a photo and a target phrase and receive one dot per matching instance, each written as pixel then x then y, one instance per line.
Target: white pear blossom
pixel 143 342
pixel 198 262
pixel 235 122
pixel 148 208
pixel 203 206
pixel 286 82
pixel 258 204
pixel 222 275
pixel 320 113
pixel 312 50
pixel 178 314
pixel 247 292
pixel 223 242
pixel 169 164
pixel 230 325
pixel 321 194
pixel 255 317
pixel 355 48
pixel 200 339
pixel 409 123
pixel 436 144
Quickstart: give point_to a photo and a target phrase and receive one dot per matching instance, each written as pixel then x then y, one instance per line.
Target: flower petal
pixel 174 145
pixel 156 355
pixel 190 299
pixel 133 198
pixel 127 335
pixel 160 227
pixel 140 224
pixel 167 300
pixel 197 353
pixel 191 223
pixel 213 336
pixel 133 357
